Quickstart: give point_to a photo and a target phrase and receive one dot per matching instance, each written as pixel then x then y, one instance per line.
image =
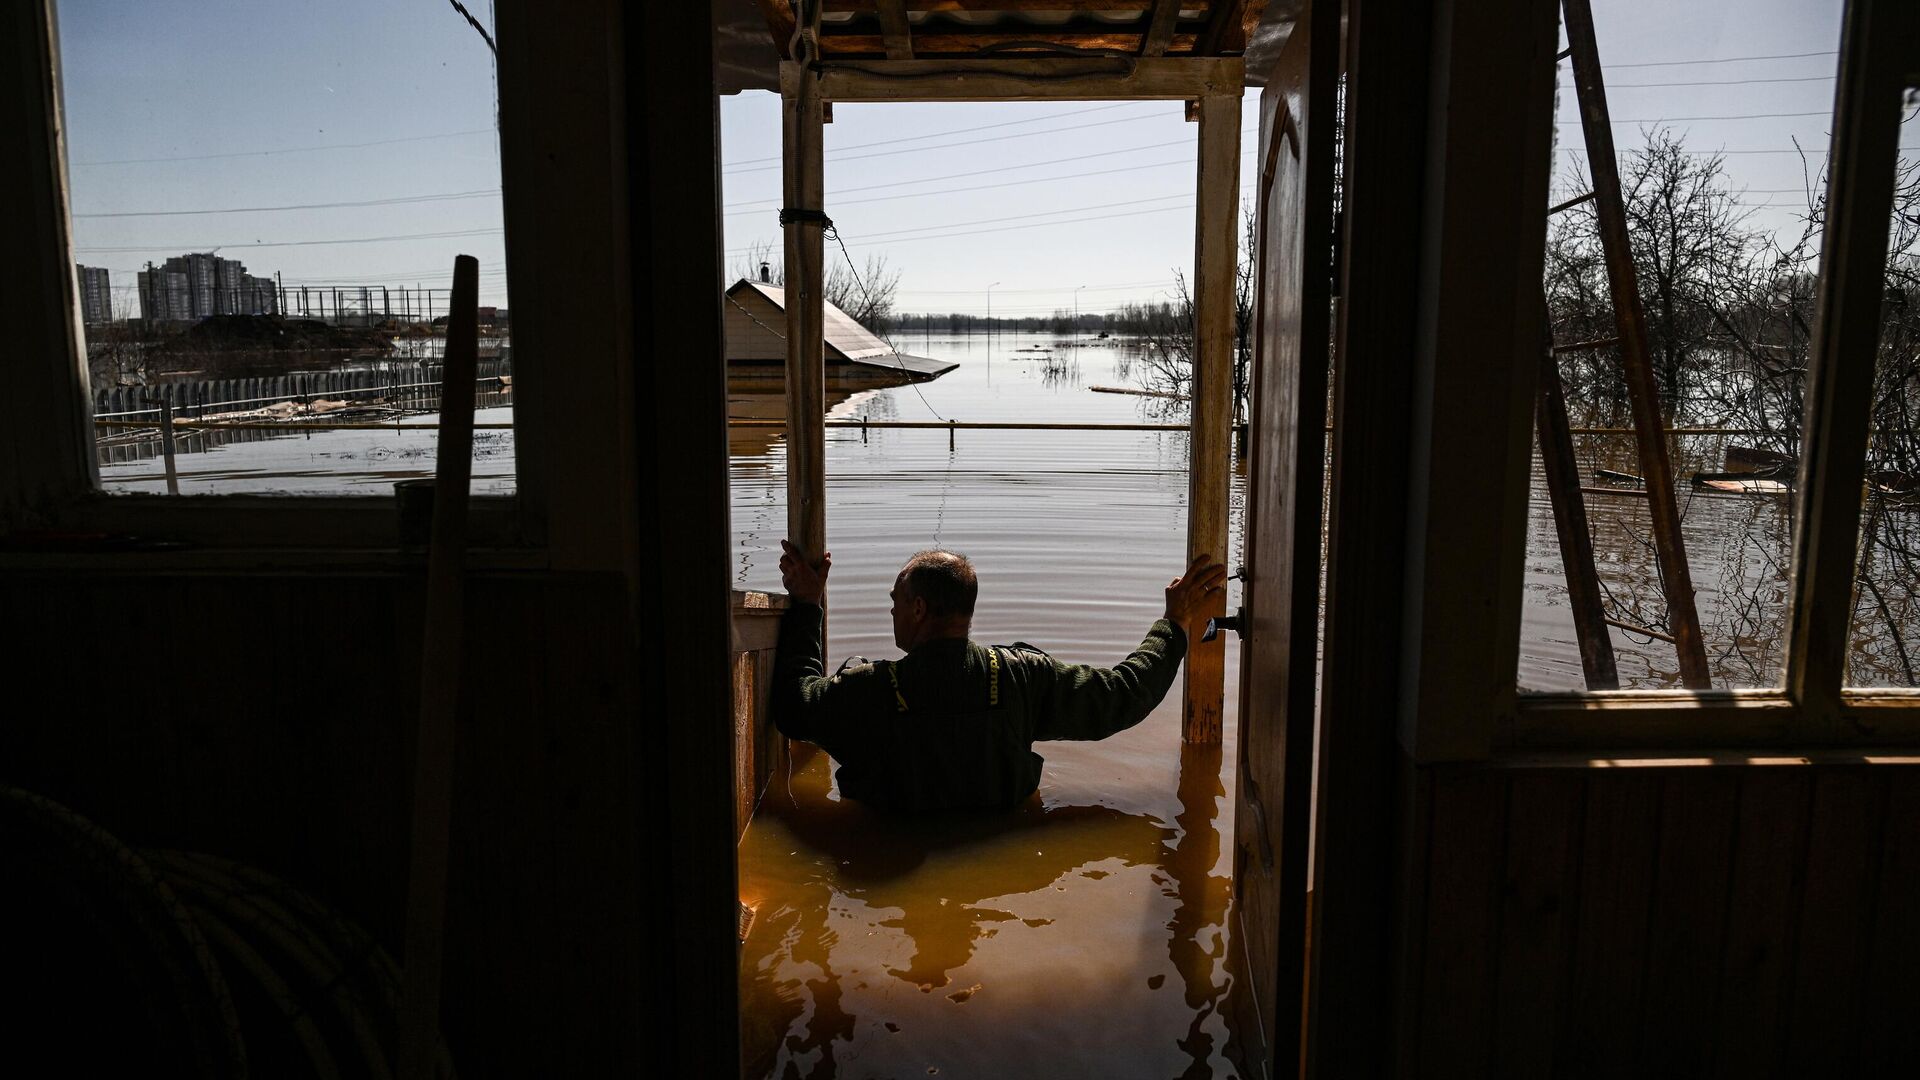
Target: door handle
pixel 1235 622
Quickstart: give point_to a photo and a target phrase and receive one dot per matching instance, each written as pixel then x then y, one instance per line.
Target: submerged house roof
pixel 756 333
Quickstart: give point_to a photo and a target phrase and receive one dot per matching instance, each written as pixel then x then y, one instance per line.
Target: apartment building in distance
pixel 96 294
pixel 199 284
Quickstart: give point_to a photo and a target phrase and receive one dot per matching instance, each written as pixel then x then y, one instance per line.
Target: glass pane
pixel 1886 597
pixel 1720 126
pixel 267 201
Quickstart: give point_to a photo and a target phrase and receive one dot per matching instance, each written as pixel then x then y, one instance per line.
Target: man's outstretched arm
pixel 805 702
pixel 1081 701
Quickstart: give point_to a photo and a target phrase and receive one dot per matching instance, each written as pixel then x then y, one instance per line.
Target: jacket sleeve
pixel 806 703
pixel 1080 701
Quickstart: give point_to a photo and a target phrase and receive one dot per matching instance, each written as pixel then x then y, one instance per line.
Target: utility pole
pixel 1076 311
pixel 990 333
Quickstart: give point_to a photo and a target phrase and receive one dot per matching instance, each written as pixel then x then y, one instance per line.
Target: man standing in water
pixel 951 725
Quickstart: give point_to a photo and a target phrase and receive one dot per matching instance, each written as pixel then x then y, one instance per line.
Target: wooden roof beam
pixel 779 14
pixel 1228 26
pixel 1122 44
pixel 1160 30
pixel 869 7
pixel 1031 79
pixel 894 29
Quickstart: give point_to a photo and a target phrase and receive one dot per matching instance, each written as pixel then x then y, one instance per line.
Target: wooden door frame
pixel 1293 302
pixel 1212 86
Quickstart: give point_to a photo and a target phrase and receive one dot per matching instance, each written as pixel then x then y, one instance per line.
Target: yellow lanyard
pixel 899 703
pixel 993 683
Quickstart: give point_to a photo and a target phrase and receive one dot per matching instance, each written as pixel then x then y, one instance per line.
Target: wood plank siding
pixel 270 719
pixel 1748 920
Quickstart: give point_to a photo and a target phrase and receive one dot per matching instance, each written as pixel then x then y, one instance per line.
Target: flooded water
pixel 1084 935
pixel 355 462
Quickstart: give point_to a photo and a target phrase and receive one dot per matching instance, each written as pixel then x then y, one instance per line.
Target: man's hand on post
pixel 1191 597
pixel 807 584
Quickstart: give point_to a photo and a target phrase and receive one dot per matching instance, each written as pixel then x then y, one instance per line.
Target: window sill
pixel 1668 721
pixel 292 528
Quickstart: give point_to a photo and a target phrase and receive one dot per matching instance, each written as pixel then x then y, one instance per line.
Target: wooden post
pixel 166 442
pixel 1216 242
pixel 1570 522
pixel 805 295
pixel 1630 317
pixel 440 685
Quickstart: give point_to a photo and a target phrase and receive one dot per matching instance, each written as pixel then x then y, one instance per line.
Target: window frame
pixel 1814 707
pixel 1460 699
pixel 558 159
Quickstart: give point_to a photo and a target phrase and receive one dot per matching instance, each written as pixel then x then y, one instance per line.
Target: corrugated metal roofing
pixel 754 34
pixel 844 336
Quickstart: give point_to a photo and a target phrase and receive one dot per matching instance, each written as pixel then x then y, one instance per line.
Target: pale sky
pixel 273 104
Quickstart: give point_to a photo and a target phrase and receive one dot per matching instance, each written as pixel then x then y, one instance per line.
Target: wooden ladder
pixel 1590 619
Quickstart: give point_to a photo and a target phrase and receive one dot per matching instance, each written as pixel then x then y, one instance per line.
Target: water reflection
pixel 1014 944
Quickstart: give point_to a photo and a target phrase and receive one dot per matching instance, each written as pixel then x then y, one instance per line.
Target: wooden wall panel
pixel 270 719
pixel 1693 869
pixel 1891 988
pixel 1744 920
pixel 1463 918
pixel 1769 864
pixel 1610 930
pixel 1847 824
pixel 1540 872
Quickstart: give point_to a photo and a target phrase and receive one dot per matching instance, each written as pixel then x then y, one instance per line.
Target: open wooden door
pixel 1288 441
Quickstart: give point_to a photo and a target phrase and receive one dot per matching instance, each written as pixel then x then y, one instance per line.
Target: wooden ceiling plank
pixel 950 45
pixel 779 14
pixel 1226 29
pixel 871 7
pixel 1160 31
pixel 894 28
pixel 1051 78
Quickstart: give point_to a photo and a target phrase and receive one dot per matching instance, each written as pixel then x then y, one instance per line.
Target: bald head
pixel 944 579
pixel 933 598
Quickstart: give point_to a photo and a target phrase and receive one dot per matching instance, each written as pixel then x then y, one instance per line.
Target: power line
pixel 290 149
pixel 1033 225
pixel 1746 116
pixel 769 204
pixel 395 201
pixel 1014 217
pixel 1013 168
pixel 951 131
pixel 244 246
pixel 477 28
pixel 1726 82
pixel 944 146
pixel 1088 288
pixel 1721 60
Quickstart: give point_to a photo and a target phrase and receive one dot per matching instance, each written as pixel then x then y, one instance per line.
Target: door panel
pixel 1289 391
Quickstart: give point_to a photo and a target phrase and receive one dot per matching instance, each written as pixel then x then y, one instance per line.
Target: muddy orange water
pixel 1083 935
pixel 1087 935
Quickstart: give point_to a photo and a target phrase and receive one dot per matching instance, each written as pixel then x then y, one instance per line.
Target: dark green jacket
pixel 941 728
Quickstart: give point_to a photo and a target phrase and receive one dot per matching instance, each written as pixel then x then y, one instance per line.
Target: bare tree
pixel 1691 250
pixel 1166 330
pixel 868 296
